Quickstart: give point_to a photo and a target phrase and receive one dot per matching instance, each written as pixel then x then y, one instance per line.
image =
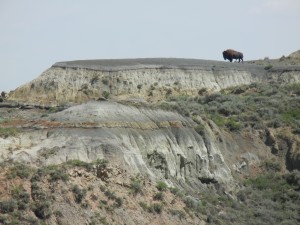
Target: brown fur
pixel 231 54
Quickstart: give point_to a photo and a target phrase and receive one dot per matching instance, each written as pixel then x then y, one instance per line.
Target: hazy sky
pixel 34 34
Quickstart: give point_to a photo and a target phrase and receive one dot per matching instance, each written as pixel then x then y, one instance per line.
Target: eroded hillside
pixel 153 141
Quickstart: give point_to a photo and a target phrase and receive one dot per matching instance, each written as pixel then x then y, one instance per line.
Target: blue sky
pixel 34 34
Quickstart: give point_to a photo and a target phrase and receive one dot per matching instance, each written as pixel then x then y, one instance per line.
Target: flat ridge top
pixel 141 63
pixel 175 63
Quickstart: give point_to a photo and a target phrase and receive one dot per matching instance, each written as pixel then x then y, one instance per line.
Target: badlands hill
pixel 153 141
pixel 80 81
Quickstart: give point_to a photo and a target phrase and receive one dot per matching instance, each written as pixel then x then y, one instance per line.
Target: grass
pixel 256 105
pixel 8 132
pixel 290 116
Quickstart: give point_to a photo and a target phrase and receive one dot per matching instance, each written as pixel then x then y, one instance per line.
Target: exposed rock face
pixel 161 144
pixel 79 81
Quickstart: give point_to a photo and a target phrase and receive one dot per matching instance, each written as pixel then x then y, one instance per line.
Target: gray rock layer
pixel 162 144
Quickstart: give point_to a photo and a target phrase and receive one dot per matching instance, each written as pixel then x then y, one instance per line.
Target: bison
pixel 231 54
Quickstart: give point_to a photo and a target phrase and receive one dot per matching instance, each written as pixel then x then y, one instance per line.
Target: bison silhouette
pixel 231 54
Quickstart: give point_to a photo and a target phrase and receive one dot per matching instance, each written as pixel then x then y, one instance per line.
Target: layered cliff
pixel 161 144
pixel 79 81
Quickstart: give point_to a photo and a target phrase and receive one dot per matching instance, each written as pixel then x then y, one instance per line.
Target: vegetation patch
pixel 79 193
pixel 79 163
pixel 8 131
pixel 161 186
pixel 19 170
pixel 255 105
pixel 268 67
pixel 53 172
pixel 290 116
pixel 159 196
pixel 136 187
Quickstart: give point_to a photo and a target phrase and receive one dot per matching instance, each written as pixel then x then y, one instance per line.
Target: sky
pixel 34 34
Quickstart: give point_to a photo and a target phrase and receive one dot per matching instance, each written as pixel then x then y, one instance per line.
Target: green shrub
pixel 8 206
pixel 260 182
pixel 55 173
pixel 268 67
pixel 136 187
pixel 200 129
pixel 100 162
pixel 105 81
pixel 190 202
pixel 176 191
pixel 105 94
pixel 272 165
pixel 53 109
pixel 210 98
pixel 294 88
pixel 144 205
pixel 169 92
pixel 179 213
pixel 37 192
pixel 161 186
pixel 291 115
pixel 293 178
pixel 202 91
pixel 139 86
pixel 19 169
pixel 79 194
pixel 8 131
pixel 21 196
pixel 118 201
pixel 218 120
pixel 157 207
pixel 232 125
pixel 159 196
pixel 79 163
pixel 42 209
pixel 110 195
pixel 58 174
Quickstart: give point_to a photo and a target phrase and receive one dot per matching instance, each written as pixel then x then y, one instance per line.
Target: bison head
pixel 225 55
